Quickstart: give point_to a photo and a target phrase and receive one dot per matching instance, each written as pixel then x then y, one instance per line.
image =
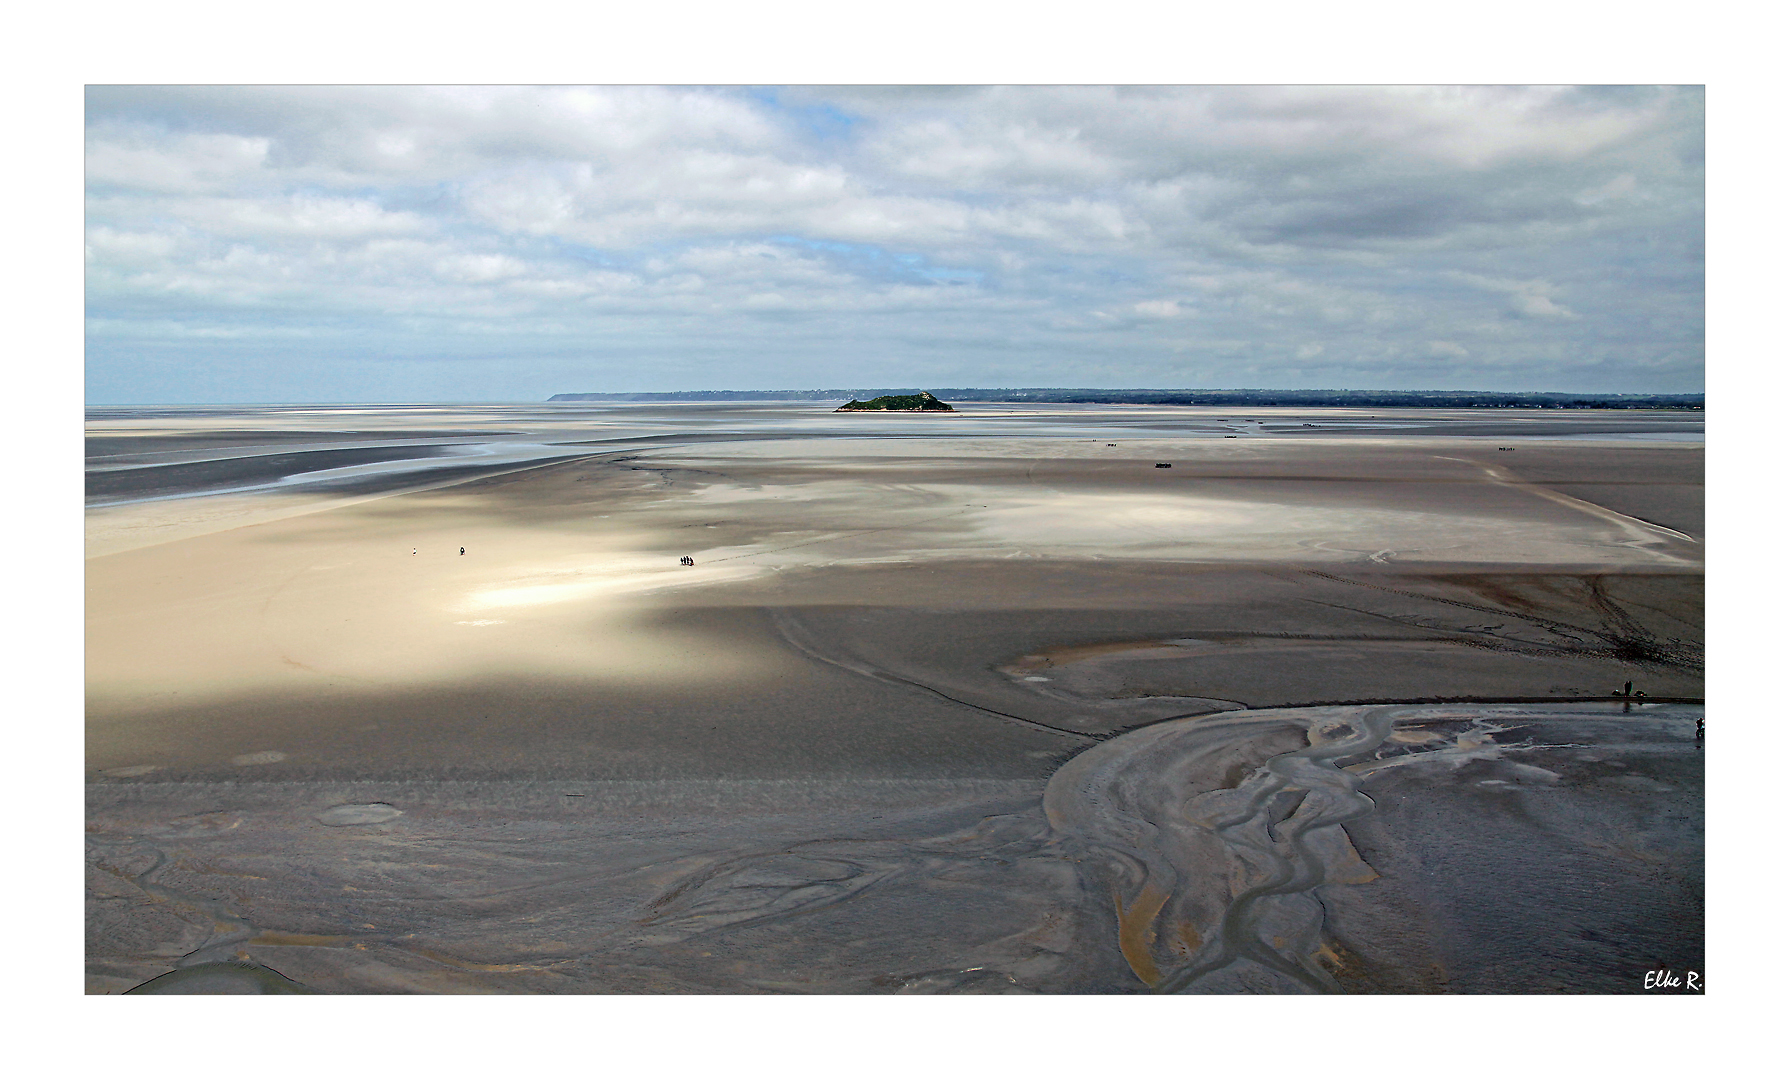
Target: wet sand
pixel 817 760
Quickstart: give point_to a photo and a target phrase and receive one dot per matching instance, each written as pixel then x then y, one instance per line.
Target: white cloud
pixel 114 249
pixel 1539 305
pixel 1528 298
pixel 182 164
pixel 296 216
pixel 479 268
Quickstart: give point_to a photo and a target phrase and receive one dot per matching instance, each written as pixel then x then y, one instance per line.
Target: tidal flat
pixel 425 700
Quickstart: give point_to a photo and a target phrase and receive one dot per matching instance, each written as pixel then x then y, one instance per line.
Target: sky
pixel 494 243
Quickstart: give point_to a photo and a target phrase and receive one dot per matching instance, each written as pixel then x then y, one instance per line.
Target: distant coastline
pixel 1371 399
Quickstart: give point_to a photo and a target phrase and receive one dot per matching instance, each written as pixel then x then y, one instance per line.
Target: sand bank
pixel 874 629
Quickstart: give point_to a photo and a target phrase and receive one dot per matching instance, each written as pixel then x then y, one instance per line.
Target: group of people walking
pixel 685 561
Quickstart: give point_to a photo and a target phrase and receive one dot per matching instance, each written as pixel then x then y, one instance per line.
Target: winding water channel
pixel 1207 876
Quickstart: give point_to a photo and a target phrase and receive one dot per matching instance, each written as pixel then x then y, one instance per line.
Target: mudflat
pixel 980 702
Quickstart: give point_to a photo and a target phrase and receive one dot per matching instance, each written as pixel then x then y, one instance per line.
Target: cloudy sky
pixel 488 243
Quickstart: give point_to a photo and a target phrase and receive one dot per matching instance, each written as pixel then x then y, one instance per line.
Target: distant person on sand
pixel 462 551
pixel 413 551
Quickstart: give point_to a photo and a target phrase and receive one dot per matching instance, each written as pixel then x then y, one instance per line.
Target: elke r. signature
pixel 1666 979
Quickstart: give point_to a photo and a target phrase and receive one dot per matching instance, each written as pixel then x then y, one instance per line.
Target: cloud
pixel 139 160
pixel 1530 299
pixel 480 268
pixel 984 235
pixel 296 216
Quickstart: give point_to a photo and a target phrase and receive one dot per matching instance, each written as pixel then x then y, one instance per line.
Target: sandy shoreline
pixel 900 613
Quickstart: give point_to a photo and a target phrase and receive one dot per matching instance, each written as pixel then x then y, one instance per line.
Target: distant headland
pixel 920 402
pixel 1304 399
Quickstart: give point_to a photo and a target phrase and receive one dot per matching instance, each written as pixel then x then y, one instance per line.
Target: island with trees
pixel 920 402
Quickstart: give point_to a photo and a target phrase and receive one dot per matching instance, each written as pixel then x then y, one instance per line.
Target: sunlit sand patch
pixel 131 770
pixel 1118 520
pixel 360 814
pixel 260 757
pixel 930 517
pixel 614 576
pixel 113 529
pixel 547 612
pixel 948 520
pixel 1117 525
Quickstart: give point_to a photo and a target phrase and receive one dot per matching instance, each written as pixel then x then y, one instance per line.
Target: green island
pixel 921 402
